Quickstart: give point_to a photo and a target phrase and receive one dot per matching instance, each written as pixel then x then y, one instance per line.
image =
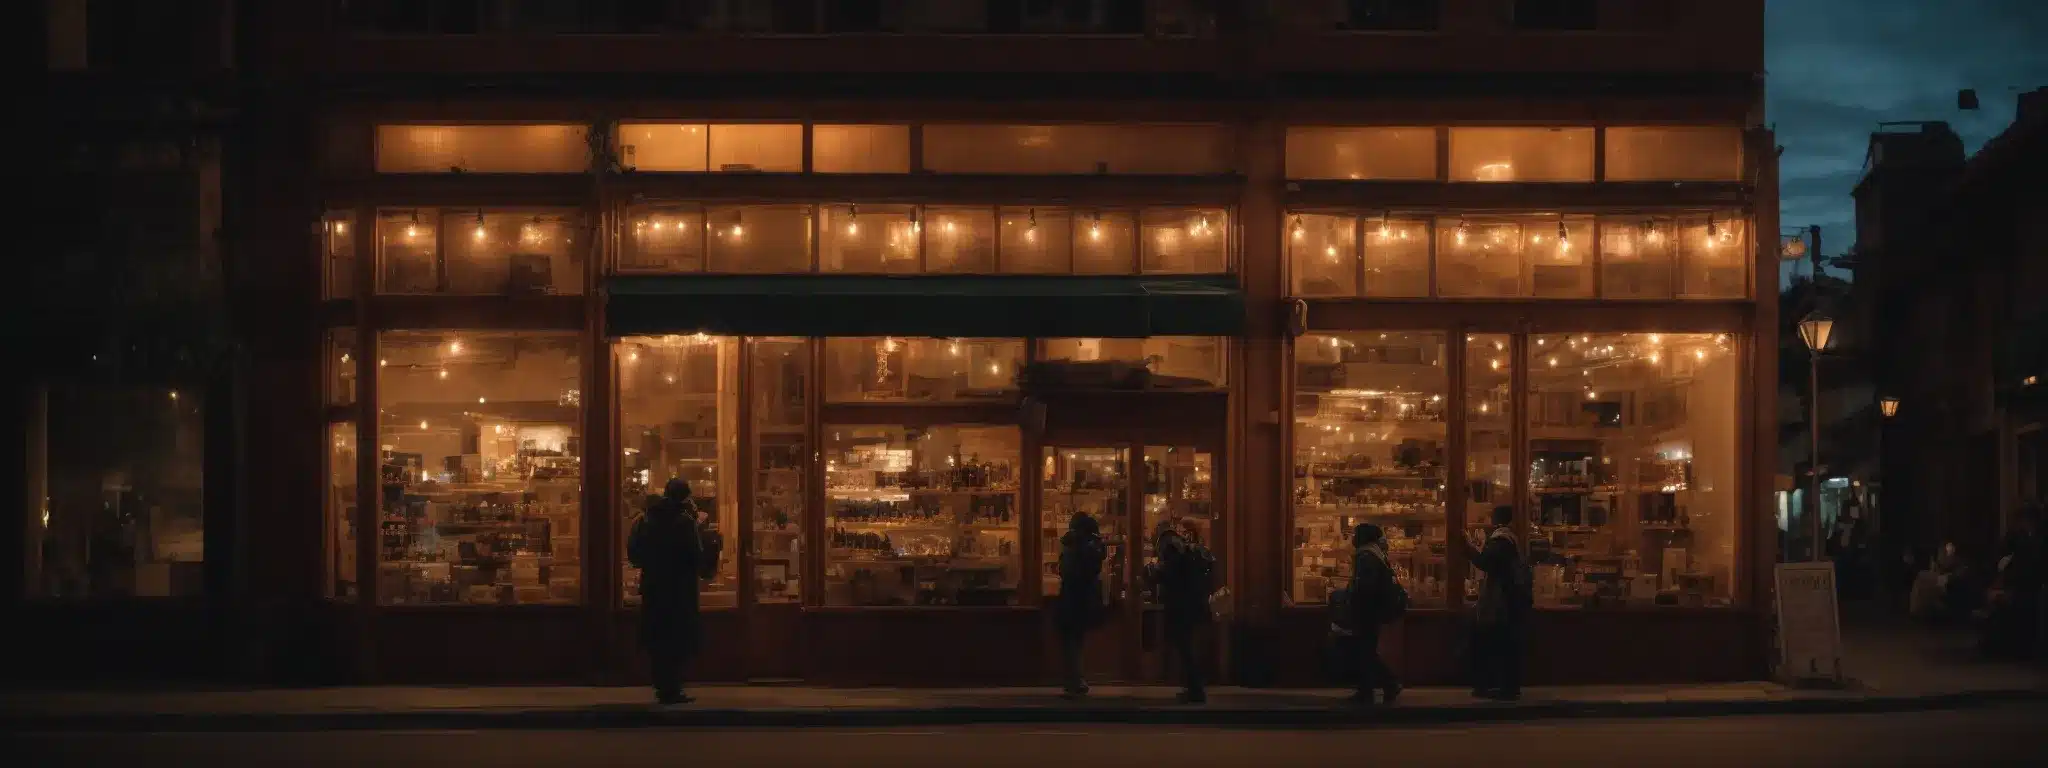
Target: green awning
pixel 924 305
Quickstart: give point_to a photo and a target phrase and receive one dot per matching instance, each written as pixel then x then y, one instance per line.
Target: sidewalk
pixel 1894 667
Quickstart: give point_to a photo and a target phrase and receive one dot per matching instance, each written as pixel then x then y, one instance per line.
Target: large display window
pixel 678 402
pixel 778 387
pixel 922 516
pixel 480 468
pixel 1155 362
pixel 1515 256
pixel 1370 445
pixel 480 252
pixel 341 511
pixel 1633 469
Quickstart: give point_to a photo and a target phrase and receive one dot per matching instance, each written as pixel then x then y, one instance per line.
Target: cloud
pixel 1837 68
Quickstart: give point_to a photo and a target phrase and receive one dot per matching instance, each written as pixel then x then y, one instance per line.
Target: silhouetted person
pixel 1372 597
pixel 1500 620
pixel 1078 608
pixel 668 548
pixel 1185 573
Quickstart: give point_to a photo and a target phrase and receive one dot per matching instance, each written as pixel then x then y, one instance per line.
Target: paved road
pixel 1976 737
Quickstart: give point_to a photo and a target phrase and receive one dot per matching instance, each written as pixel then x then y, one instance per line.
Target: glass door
pixel 1179 489
pixel 1093 480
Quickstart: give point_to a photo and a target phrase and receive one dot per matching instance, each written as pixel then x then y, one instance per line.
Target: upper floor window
pixel 1078 149
pixel 1676 153
pixel 1556 14
pixel 858 238
pixel 480 251
pixel 1522 154
pixel 724 147
pixel 482 149
pixel 1321 152
pixel 860 148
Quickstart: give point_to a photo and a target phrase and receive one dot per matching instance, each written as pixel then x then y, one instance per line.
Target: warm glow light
pixel 853 228
pixel 658 224
pixel 1494 364
pixel 949 227
pixel 669 378
pixel 455 347
pixel 174 394
pixel 1656 338
pixel 633 357
pixel 2030 381
pixel 1890 406
pixel 340 227
pixel 481 401
pixel 1330 252
pixel 1699 354
pixel 382 362
pixel 1655 357
pixel 344 357
pixel 1483 408
pixel 444 373
pixel 739 230
pixel 1816 330
pixel 1553 362
pixel 423 425
pixel 411 231
pixel 1590 394
pixel 1095 231
pixel 1498 346
pixel 480 232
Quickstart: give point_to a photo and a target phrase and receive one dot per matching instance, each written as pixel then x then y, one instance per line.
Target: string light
pixel 341 227
pixel 1031 230
pixel 1095 228
pixel 1297 229
pixel 1464 229
pixel 455 347
pixel 480 233
pixel 443 374
pixel 382 362
pixel 853 220
pixel 423 425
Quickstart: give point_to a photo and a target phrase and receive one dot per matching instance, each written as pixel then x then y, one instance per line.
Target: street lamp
pixel 1889 406
pixel 1816 330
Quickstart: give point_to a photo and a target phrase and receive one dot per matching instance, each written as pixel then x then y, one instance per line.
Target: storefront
pixel 891 394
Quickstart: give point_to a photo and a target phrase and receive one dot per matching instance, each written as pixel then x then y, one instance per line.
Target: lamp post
pixel 1816 330
pixel 1889 406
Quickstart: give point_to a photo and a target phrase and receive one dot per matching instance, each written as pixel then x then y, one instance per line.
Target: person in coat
pixel 1078 607
pixel 1372 585
pixel 668 548
pixel 1184 593
pixel 1499 622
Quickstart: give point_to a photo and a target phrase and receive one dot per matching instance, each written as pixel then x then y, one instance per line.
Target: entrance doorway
pixel 1131 488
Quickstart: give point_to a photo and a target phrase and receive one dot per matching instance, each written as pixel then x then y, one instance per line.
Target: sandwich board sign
pixel 1809 628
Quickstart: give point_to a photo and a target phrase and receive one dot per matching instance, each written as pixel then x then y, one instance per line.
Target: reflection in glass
pixel 663 238
pixel 678 398
pixel 341 366
pixel 1489 436
pixel 481 468
pixel 899 369
pixel 122 509
pixel 921 515
pixel 1632 469
pixel 1179 489
pixel 1186 241
pixel 523 253
pixel 1324 252
pixel 338 245
pixel 1370 444
pixel 341 511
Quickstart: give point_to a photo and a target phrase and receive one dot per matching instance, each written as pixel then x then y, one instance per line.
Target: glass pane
pixel 481 459
pixel 122 476
pixel 1090 481
pixel 1715 253
pixel 678 406
pixel 860 148
pixel 1361 153
pixel 482 149
pixel 664 147
pixel 1369 447
pixel 514 253
pixel 1158 362
pixel 1104 242
pixel 408 252
pixel 341 366
pixel 338 247
pixel 1478 258
pixel 893 369
pixel 781 372
pixel 1559 257
pixel 757 148
pixel 1633 468
pixel 1037 241
pixel 962 240
pixel 1324 252
pixel 341 511
pixel 1521 154
pixel 761 239
pixel 663 238
pixel 1489 437
pixel 922 515
pixel 1397 257
pixel 1187 241
pixel 1636 258
pixel 868 238
pixel 1687 153
pixel 1078 149
pixel 1180 490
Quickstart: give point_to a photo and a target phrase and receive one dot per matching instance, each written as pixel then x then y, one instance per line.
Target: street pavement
pixel 2000 735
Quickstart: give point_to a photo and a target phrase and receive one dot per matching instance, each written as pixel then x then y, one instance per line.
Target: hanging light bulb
pixel 423 425
pixel 1031 228
pixel 1713 232
pixel 1385 231
pixel 1483 408
pixel 442 374
pixel 341 227
pixel 480 232
pixel 1296 229
pixel 853 220
pixel 1095 227
pixel 1464 230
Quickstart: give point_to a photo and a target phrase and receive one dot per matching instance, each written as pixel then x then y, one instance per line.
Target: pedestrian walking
pixel 1184 579
pixel 1375 599
pixel 1079 607
pixel 669 548
pixel 1500 620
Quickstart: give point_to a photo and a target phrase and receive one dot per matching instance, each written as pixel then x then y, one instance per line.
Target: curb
pixel 625 716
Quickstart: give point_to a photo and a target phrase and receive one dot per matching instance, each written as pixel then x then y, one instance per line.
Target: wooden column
pixel 1261 459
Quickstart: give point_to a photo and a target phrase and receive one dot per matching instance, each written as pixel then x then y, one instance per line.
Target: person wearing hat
pixel 1372 588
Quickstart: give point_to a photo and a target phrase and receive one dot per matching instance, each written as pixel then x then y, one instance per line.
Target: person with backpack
pixel 1500 620
pixel 1375 600
pixel 1079 606
pixel 670 549
pixel 1184 580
